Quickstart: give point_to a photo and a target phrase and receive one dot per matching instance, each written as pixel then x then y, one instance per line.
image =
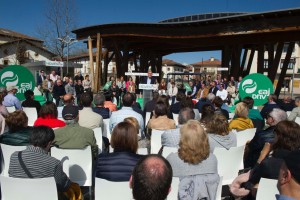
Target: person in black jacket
pixel 118 166
pixel 79 90
pixel 58 92
pixel 30 102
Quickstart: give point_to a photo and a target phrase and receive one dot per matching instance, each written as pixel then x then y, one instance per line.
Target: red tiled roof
pixel 13 34
pixel 209 62
pixel 171 63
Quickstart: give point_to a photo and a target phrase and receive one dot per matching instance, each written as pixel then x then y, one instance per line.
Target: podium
pixel 147 92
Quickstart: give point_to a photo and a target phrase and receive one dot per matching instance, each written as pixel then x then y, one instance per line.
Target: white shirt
pixel 53 78
pixel 223 94
pixel 173 91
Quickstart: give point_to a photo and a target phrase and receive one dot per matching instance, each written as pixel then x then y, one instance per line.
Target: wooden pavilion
pixel 237 36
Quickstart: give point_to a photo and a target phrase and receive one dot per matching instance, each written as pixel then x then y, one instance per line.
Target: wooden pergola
pixel 238 37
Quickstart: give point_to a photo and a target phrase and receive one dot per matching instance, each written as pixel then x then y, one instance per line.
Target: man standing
pixel 151 178
pixel 73 136
pixel 289 177
pixel 149 79
pixel 40 78
pixel 53 76
pixel 47 86
pixel 58 92
pixel 69 87
pixel 126 111
pixel 10 99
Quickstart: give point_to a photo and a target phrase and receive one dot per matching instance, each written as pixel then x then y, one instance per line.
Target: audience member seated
pixel 151 178
pixel 256 145
pixel 241 122
pixel 194 164
pixel 108 102
pixel 10 99
pixel 18 130
pixel 58 92
pixel 30 102
pixel 48 116
pixel 208 100
pixel 289 178
pixel 269 106
pixel 218 102
pixel 170 138
pixel 287 139
pixel 88 118
pixel 254 114
pixel 287 104
pixel 39 163
pixel 99 100
pixel 175 108
pixel 188 103
pixel 207 112
pixel 142 141
pixel 165 99
pixel 3 109
pixel 222 93
pixel 202 92
pixel 118 166
pixel 219 134
pixel 73 136
pixel 136 106
pixel 160 120
pixel 124 112
pixel 150 105
pixel 296 111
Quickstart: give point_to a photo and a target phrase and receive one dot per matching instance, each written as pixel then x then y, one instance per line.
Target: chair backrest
pixel 174 189
pixel 31 114
pixel 105 189
pixel 98 136
pixel 26 188
pixel 288 113
pixel 168 150
pixel 297 120
pixel 231 115
pixel 156 140
pixel 229 162
pixel 219 189
pixel 106 130
pixel 147 118
pixel 2 123
pixel 175 117
pixel 59 111
pixel 11 109
pixel 267 188
pixel 142 151
pixel 7 150
pixel 80 163
pixel 242 137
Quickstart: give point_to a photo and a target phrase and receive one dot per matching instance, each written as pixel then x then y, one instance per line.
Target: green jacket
pixel 19 138
pixel 73 136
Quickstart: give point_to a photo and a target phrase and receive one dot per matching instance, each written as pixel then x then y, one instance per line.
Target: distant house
pixel 209 66
pixel 170 66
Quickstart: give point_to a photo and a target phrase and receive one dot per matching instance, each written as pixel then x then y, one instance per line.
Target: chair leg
pixel 90 192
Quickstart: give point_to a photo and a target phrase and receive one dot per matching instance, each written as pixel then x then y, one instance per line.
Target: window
pixel 266 64
pixel 291 64
pixel 285 48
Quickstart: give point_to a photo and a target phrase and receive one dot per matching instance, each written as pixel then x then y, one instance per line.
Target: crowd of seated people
pixel 202 127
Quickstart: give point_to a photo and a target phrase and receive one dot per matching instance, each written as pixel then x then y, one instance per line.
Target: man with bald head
pixel 58 91
pixel 151 178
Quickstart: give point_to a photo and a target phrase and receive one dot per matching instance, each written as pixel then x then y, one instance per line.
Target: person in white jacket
pixel 172 92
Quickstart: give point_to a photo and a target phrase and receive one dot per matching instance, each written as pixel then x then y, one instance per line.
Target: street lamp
pixel 67 40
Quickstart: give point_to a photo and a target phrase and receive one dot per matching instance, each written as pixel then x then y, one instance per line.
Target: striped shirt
pixel 40 165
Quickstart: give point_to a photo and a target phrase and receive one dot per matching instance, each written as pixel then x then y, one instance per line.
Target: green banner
pixel 16 75
pixel 257 86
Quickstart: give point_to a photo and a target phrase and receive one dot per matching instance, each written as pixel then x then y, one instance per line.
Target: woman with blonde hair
pixel 194 164
pixel 241 120
pixel 142 143
pixel 219 134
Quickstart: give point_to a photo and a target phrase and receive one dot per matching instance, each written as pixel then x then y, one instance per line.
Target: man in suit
pixel 149 79
pixel 213 88
pixel 40 78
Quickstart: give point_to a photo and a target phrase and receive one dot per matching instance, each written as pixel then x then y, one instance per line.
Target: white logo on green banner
pixel 16 75
pixel 257 86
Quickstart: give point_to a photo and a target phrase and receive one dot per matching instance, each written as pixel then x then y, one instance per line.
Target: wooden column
pixel 260 58
pixel 245 53
pixel 270 57
pixel 286 62
pixel 273 69
pixel 98 72
pixel 250 60
pixel 91 63
pixel 236 61
pixel 226 58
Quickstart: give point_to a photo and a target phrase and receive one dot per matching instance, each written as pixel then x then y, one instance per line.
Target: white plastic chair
pixel 267 188
pixel 168 150
pixel 31 114
pixel 174 189
pixel 80 164
pixel 229 162
pixel 11 109
pixel 297 120
pixel 147 118
pixel 7 150
pixel 175 117
pixel 106 130
pixel 242 137
pixel 98 136
pixel 219 189
pixel 156 140
pixel 142 151
pixel 197 114
pixel 27 188
pixel 105 189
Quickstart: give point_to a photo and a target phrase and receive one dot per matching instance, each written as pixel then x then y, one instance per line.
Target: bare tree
pixel 60 20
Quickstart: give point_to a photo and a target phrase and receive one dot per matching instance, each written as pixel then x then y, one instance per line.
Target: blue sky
pixel 25 15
